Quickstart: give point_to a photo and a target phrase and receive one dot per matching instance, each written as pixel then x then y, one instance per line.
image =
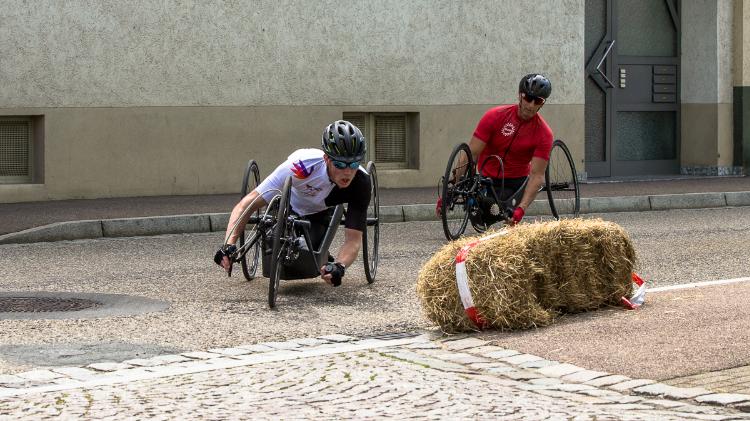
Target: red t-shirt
pixel 500 128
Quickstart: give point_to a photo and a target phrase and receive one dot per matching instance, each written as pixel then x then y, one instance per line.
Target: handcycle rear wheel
pixel 249 259
pixel 282 234
pixel 459 174
pixel 561 182
pixel 371 237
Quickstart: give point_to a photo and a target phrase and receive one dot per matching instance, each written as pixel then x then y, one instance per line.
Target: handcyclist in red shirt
pixel 521 138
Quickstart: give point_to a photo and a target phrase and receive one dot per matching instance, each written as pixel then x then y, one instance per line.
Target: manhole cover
pixel 44 304
pixel 38 305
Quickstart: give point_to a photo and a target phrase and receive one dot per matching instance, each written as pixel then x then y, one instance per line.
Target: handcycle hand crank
pixel 336 270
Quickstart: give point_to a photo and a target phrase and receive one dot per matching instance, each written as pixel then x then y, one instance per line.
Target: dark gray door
pixel 632 87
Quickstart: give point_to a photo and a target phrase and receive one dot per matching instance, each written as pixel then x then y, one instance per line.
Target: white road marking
pixel 697 284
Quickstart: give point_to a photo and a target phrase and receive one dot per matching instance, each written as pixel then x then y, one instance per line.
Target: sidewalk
pixel 338 376
pixel 396 205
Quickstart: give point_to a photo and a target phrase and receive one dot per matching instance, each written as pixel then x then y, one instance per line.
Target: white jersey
pixel 310 182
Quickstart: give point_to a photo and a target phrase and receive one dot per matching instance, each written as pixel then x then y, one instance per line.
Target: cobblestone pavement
pixel 336 376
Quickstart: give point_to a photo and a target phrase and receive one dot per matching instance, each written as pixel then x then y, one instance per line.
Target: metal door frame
pixel 599 66
pixel 604 61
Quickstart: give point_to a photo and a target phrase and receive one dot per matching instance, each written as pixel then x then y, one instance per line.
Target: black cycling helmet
pixel 342 141
pixel 536 85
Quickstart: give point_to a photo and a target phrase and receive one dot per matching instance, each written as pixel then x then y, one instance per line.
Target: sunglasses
pixel 341 164
pixel 537 100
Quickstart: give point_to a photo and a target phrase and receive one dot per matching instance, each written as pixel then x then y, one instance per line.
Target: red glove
pixel 439 207
pixel 517 215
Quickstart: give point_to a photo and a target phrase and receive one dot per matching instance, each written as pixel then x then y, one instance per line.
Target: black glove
pixel 226 250
pixel 337 272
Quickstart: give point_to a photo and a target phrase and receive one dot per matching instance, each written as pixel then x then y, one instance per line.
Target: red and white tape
pixel 462 281
pixel 639 296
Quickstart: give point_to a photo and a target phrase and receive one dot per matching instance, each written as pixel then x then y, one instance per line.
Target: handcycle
pixel 467 195
pixel 282 242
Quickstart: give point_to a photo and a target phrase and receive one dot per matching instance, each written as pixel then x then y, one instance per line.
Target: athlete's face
pixel 528 106
pixel 341 177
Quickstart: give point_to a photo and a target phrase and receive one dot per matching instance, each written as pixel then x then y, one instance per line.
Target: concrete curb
pixel 181 224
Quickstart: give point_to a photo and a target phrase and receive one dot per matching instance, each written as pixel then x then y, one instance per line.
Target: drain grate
pixel 44 304
pixel 391 336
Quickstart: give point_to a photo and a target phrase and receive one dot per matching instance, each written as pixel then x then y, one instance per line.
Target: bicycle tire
pixel 453 202
pixel 371 237
pixel 561 182
pixel 281 237
pixel 250 181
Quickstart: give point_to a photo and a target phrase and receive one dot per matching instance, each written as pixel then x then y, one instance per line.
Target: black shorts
pixel 508 188
pixel 318 226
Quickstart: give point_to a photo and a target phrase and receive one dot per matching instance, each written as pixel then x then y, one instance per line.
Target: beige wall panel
pixel 79 53
pixel 725 135
pixel 699 135
pixel 707 135
pixel 111 152
pixel 108 152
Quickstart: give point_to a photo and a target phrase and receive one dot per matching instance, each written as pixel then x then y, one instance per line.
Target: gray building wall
pixel 707 66
pixel 172 97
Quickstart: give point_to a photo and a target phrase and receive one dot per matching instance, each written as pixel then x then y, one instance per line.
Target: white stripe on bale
pixel 462 276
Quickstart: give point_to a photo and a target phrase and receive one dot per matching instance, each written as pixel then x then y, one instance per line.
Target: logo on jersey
pixel 508 129
pixel 309 190
pixel 300 171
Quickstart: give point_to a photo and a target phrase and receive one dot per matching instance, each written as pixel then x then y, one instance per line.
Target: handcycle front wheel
pixel 282 234
pixel 371 237
pixel 249 259
pixel 561 182
pixel 458 177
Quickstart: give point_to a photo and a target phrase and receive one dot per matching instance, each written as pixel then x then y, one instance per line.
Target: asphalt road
pixel 209 310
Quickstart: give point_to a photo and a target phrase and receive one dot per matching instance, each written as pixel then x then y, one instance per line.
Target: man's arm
pixel 239 208
pixel 222 256
pixel 348 251
pixel 476 146
pixel 536 180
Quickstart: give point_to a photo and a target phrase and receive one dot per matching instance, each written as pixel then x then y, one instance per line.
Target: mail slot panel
pixel 665 70
pixel 664 89
pixel 664 79
pixel 665 98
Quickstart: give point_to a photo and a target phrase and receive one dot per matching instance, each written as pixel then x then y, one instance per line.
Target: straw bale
pixel 530 275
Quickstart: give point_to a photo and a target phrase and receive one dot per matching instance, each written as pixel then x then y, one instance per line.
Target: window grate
pixel 390 139
pixel 359 120
pixel 15 147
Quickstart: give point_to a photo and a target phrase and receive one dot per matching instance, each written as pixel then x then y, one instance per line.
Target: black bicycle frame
pixel 333 225
pixel 511 201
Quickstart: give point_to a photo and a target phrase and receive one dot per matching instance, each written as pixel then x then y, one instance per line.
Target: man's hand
pixel 332 273
pixel 223 257
pixel 517 215
pixel 439 208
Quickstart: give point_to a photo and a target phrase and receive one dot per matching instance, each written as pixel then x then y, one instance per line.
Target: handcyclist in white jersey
pixel 321 179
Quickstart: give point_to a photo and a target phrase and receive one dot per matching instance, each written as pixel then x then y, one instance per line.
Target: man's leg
pixel 509 188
